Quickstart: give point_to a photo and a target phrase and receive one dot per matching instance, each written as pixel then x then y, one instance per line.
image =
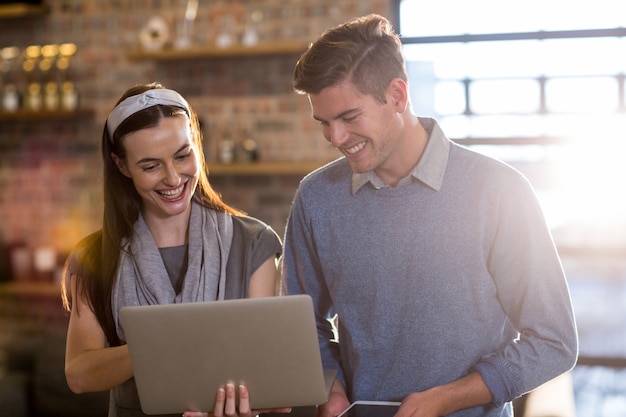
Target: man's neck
pixel 410 148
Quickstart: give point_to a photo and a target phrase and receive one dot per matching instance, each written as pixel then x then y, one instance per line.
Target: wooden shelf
pixel 17 10
pixel 44 115
pixel 277 48
pixel 31 289
pixel 263 168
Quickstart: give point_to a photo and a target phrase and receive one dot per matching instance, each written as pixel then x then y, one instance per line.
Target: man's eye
pixel 350 119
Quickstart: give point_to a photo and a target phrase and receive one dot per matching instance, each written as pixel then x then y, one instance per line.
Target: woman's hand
pixel 226 404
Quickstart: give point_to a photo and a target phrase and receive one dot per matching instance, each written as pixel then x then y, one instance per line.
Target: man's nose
pixel 337 135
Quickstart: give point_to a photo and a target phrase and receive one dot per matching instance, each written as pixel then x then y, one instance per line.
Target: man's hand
pixel 421 404
pixel 337 402
pixel 466 392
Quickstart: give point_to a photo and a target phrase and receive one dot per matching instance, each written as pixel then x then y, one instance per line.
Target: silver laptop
pixel 181 353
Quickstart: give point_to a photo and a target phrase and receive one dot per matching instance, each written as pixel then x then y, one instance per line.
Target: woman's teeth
pixel 173 193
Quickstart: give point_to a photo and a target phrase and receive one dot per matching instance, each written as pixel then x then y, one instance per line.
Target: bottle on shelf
pixel 226 149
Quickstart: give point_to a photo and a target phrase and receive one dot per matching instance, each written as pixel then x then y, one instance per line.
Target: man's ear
pixel 398 94
pixel 121 165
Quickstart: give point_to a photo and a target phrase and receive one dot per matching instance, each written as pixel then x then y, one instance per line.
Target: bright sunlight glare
pixel 580 99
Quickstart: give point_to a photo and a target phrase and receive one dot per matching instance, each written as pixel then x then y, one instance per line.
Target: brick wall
pixel 50 169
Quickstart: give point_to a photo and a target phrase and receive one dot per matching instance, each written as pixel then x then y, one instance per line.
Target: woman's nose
pixel 172 178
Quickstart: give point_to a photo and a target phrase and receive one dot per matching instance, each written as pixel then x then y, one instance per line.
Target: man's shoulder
pixel 483 169
pixel 332 172
pixel 464 155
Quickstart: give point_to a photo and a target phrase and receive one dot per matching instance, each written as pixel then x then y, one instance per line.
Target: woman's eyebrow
pixel 150 159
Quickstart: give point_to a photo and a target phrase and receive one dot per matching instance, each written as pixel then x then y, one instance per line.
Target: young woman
pixel 166 237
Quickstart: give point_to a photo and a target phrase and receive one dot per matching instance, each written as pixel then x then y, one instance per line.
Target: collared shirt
pixel 430 168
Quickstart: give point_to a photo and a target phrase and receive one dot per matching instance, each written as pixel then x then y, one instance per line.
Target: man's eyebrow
pixel 339 116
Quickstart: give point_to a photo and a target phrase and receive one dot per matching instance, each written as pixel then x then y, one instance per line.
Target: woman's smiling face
pixel 163 164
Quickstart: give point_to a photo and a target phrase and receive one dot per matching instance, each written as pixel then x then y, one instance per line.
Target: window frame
pixel 617 32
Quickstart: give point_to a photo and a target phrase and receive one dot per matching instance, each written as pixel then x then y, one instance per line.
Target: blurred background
pixel 539 85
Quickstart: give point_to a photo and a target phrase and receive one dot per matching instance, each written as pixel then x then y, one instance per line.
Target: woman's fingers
pixel 244 402
pixel 231 401
pixel 244 405
pixel 230 408
pixel 220 400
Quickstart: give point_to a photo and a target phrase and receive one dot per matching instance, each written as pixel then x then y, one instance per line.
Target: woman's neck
pixel 168 232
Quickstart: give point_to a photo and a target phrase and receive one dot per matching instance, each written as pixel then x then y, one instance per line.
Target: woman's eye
pixel 148 168
pixel 185 156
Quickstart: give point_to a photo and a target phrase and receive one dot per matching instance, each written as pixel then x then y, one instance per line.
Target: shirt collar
pixel 430 169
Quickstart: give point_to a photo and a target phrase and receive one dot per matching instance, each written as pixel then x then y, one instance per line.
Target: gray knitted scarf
pixel 143 280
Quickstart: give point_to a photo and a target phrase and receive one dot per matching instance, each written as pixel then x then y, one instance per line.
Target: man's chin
pixel 358 168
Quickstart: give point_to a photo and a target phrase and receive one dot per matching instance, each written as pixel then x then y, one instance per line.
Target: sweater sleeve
pixel 533 292
pixel 303 274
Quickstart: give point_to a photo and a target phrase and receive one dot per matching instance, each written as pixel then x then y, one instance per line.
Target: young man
pixel 436 260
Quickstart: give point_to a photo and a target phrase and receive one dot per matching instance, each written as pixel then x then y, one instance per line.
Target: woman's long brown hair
pixel 96 257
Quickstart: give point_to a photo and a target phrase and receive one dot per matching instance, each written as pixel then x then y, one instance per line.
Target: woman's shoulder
pixel 248 225
pixel 253 233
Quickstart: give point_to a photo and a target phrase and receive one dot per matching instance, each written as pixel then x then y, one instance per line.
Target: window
pixel 525 69
pixel 539 84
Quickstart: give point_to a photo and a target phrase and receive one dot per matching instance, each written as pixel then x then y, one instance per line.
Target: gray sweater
pixel 454 272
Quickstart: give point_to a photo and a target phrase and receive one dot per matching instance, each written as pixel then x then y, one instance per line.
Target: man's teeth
pixel 173 193
pixel 355 148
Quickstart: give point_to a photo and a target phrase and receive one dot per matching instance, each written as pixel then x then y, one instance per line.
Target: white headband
pixel 133 104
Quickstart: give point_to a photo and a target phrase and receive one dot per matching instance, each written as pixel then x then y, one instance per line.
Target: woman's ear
pixel 121 165
pixel 398 94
